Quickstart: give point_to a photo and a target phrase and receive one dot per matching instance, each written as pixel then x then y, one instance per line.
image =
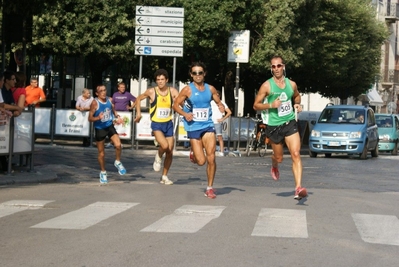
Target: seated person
pixel 360 117
pixel 387 123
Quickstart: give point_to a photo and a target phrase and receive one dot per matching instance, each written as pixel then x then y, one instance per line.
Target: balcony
pixel 389 78
pixel 392 14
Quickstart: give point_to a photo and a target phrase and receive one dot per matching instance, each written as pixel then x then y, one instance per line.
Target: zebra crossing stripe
pixel 281 223
pixel 186 219
pixel 87 216
pixel 377 229
pixel 14 206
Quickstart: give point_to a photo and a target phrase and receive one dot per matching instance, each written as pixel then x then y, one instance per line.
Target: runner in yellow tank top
pixel 161 107
pixel 161 98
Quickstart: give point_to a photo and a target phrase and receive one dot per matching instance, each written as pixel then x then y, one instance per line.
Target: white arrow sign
pixel 159 11
pixel 159 31
pixel 159 41
pixel 160 21
pixel 158 51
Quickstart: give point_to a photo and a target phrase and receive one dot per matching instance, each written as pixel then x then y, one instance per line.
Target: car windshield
pixel 342 115
pixel 384 121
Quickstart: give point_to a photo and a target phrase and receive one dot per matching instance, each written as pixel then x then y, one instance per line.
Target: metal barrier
pixel 17 137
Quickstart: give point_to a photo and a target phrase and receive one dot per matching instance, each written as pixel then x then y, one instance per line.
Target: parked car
pixel 388 130
pixel 345 129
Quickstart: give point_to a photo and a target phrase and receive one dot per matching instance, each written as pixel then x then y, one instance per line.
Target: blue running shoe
pixel 103 178
pixel 120 168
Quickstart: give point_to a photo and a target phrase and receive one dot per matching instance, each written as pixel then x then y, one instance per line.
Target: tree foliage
pixel 330 46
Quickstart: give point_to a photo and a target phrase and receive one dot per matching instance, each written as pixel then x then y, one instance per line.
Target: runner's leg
pixel 294 145
pixel 209 142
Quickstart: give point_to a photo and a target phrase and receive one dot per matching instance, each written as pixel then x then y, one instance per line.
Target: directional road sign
pixel 159 21
pixel 159 31
pixel 160 11
pixel 159 51
pixel 159 41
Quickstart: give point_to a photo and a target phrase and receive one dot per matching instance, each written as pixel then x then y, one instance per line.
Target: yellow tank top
pixel 161 108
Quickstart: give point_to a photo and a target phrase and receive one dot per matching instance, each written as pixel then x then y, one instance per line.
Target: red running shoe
pixel 192 159
pixel 210 193
pixel 275 173
pixel 300 193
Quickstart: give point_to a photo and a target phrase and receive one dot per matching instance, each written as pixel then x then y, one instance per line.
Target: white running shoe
pixel 119 166
pixel 103 178
pixel 157 163
pixel 165 180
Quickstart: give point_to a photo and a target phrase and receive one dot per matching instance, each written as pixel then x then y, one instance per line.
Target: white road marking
pixel 14 206
pixel 186 219
pixel 281 223
pixel 87 216
pixel 377 229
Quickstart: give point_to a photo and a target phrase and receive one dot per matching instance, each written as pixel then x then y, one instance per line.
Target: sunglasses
pixel 197 73
pixel 277 66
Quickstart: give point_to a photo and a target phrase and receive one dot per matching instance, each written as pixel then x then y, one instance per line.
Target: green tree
pixel 331 47
pixel 101 30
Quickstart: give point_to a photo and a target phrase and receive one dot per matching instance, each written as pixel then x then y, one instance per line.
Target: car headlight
pixel 384 137
pixel 355 135
pixel 315 133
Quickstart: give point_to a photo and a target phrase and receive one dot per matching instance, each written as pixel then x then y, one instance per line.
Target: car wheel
pixel 328 155
pixel 395 149
pixel 374 152
pixel 363 155
pixel 312 154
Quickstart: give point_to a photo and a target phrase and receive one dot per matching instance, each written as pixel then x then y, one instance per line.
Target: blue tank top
pixel 106 108
pixel 199 103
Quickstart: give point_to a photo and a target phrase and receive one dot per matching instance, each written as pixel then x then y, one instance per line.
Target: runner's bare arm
pixel 296 97
pixel 179 103
pixel 93 108
pixel 149 93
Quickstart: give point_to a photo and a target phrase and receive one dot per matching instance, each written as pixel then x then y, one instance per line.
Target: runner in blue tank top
pixel 195 99
pixel 277 98
pixel 103 115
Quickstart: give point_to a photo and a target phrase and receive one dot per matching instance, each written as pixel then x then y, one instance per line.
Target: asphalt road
pixel 349 219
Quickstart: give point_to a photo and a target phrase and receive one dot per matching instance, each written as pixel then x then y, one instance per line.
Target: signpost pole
pixel 237 88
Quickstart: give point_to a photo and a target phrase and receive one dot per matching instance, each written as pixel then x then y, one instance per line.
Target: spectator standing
pixel 218 117
pixel 9 104
pixel 34 94
pixel 83 103
pixel 18 92
pixel 122 100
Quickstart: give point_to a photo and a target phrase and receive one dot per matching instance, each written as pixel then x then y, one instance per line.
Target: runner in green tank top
pixel 277 98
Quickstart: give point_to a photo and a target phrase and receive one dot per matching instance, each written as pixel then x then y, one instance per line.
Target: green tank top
pixel 285 112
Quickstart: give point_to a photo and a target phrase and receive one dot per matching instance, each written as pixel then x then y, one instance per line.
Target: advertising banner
pixel 143 128
pixel 72 122
pixel 124 129
pixel 4 133
pixel 42 120
pixel 23 132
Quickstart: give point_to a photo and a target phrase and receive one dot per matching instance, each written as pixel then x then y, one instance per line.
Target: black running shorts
pixel 277 133
pixel 102 133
